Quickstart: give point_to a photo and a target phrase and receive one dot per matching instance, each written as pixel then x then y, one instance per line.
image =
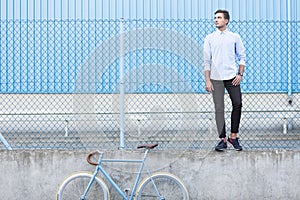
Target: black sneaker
pixel 235 144
pixel 221 146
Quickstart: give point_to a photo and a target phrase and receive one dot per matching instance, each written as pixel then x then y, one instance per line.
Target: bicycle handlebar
pixel 88 157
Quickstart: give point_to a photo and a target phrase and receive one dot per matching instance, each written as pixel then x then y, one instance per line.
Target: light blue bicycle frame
pixel 108 177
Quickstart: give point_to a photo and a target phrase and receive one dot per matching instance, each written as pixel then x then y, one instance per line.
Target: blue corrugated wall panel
pixel 149 9
pixel 44 43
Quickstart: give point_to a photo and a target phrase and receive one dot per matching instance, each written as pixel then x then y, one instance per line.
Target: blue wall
pixel 73 46
pixel 148 9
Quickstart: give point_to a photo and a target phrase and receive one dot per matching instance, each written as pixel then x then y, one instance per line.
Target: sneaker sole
pixel 220 149
pixel 238 149
pixel 233 146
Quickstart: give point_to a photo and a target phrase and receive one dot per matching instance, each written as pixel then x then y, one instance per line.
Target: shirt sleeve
pixel 206 54
pixel 240 51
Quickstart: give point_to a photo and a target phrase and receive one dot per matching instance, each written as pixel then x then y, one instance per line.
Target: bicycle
pixel 87 186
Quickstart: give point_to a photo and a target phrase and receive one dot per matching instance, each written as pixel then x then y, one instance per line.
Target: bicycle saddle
pixel 147 146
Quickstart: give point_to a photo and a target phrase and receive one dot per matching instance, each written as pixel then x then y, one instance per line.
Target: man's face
pixel 220 21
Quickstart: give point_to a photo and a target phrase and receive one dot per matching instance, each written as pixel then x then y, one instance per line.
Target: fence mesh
pixel 60 84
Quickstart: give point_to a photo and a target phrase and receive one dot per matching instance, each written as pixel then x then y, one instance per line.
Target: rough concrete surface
pixel 36 174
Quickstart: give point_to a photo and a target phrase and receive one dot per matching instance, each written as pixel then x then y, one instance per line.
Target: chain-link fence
pixel 87 83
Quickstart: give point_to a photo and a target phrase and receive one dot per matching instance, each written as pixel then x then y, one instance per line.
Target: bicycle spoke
pixel 73 188
pixel 164 187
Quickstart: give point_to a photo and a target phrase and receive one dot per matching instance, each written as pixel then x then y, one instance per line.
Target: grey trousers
pixel 236 100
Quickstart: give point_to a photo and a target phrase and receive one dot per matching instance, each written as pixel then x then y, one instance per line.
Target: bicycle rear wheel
pixel 74 186
pixel 162 186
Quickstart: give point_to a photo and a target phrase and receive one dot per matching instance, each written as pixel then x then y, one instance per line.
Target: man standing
pixel 221 48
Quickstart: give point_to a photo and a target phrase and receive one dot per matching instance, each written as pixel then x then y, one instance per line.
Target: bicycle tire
pixel 74 186
pixel 169 187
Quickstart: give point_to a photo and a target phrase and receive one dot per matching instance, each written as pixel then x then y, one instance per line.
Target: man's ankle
pixel 233 135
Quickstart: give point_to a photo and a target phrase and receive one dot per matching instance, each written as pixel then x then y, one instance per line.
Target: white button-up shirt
pixel 221 48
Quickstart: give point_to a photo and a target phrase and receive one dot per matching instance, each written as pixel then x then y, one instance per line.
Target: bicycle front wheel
pixel 73 187
pixel 162 186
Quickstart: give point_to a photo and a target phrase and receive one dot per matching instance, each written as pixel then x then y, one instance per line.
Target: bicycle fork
pixel 83 197
pixel 152 181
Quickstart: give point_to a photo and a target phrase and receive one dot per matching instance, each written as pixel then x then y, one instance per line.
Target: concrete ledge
pixel 207 174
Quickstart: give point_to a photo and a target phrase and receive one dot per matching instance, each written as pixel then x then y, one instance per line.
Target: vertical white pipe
pixel 285 126
pixel 122 93
pixel 66 128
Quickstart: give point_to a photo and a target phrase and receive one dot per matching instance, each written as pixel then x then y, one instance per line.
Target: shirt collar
pixel 222 32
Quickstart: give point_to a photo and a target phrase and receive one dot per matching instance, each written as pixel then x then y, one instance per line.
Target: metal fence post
pixel 122 93
pixel 289 53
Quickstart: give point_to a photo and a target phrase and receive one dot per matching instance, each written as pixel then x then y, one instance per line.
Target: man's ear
pixel 227 21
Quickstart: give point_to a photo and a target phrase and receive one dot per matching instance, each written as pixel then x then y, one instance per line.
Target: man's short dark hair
pixel 225 13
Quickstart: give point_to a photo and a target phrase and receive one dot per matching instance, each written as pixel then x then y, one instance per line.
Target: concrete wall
pixel 35 175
